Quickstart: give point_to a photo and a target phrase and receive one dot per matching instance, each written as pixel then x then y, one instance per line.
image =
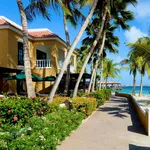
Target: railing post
pixel 148 121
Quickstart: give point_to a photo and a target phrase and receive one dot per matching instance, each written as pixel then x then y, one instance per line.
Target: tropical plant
pixel 67 59
pixel 120 16
pixel 98 35
pixel 133 63
pixel 27 64
pixel 110 70
pixel 140 49
pixel 108 44
pixel 143 68
pixel 71 14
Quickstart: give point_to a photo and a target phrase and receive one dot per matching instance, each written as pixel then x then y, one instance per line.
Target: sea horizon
pixel 128 89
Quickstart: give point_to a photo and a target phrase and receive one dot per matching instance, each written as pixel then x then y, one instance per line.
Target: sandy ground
pixel 114 126
pixel 144 101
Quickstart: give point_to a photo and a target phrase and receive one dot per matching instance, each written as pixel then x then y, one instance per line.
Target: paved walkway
pixel 114 126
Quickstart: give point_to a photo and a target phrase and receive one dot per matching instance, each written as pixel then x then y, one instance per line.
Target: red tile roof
pixel 35 33
pixel 42 33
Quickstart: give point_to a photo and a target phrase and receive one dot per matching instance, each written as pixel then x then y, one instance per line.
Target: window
pixel 72 60
pixel 40 55
pixel 20 54
pixel 61 58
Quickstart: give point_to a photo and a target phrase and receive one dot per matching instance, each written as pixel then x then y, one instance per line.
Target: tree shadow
pixel 136 126
pixel 134 147
pixel 121 110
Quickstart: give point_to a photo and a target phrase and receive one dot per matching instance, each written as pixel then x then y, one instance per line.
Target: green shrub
pixel 101 96
pixel 14 109
pixel 85 105
pixel 81 93
pixel 40 132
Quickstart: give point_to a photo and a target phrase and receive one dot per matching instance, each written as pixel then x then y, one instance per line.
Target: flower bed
pixel 33 124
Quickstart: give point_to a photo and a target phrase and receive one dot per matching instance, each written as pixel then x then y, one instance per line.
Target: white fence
pixel 46 63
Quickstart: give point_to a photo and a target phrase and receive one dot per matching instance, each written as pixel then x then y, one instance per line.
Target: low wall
pixel 143 114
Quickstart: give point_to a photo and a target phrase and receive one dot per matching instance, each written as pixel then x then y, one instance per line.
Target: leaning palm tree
pixel 67 59
pixel 27 64
pixel 108 44
pixel 98 35
pixel 71 49
pixel 119 19
pixel 71 14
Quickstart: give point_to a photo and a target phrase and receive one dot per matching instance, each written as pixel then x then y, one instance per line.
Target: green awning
pixel 49 78
pixel 21 76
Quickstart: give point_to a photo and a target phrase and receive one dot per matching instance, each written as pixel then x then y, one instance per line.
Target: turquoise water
pixel 128 89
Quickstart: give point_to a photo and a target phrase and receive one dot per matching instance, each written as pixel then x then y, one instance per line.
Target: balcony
pixel 45 63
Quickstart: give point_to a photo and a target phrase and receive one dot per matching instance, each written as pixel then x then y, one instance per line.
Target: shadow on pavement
pixel 122 108
pixel 119 109
pixel 134 147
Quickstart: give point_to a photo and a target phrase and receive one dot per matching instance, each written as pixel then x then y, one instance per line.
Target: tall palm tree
pixel 109 42
pixel 71 49
pixel 27 65
pixel 52 93
pixel 71 13
pixel 119 20
pixel 133 63
pixel 110 70
pixel 105 12
pixel 139 50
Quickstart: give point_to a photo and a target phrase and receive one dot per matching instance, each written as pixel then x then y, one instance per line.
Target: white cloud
pixel 142 9
pixel 115 57
pixel 133 34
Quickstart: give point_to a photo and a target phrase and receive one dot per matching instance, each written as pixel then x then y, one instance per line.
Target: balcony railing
pixel 46 63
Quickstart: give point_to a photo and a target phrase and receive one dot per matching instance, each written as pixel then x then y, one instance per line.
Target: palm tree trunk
pixel 93 73
pixel 141 85
pixel 94 79
pixel 106 82
pixel 99 54
pixel 90 53
pixel 66 92
pixel 92 70
pixel 27 64
pixel 67 59
pixel 134 85
pixel 101 76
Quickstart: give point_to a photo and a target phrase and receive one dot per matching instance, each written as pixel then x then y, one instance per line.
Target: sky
pixel 139 27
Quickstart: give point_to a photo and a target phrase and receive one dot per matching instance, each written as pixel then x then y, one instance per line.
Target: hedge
pixel 101 96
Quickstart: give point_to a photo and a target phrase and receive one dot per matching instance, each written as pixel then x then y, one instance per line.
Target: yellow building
pixel 47 53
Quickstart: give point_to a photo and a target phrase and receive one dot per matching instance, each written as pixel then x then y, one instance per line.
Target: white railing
pixel 45 63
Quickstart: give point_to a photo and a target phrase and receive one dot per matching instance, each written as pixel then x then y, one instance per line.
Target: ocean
pixel 128 89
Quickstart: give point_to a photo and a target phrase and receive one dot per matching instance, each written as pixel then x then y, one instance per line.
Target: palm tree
pixel 71 13
pixel 133 63
pixel 119 20
pixel 71 49
pixel 108 43
pixel 110 70
pixel 27 65
pixel 105 12
pixel 52 93
pixel 139 50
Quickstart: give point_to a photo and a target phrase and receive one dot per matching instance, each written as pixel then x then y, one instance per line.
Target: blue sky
pixel 139 27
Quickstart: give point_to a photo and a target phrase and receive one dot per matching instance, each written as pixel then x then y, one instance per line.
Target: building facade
pixel 47 52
